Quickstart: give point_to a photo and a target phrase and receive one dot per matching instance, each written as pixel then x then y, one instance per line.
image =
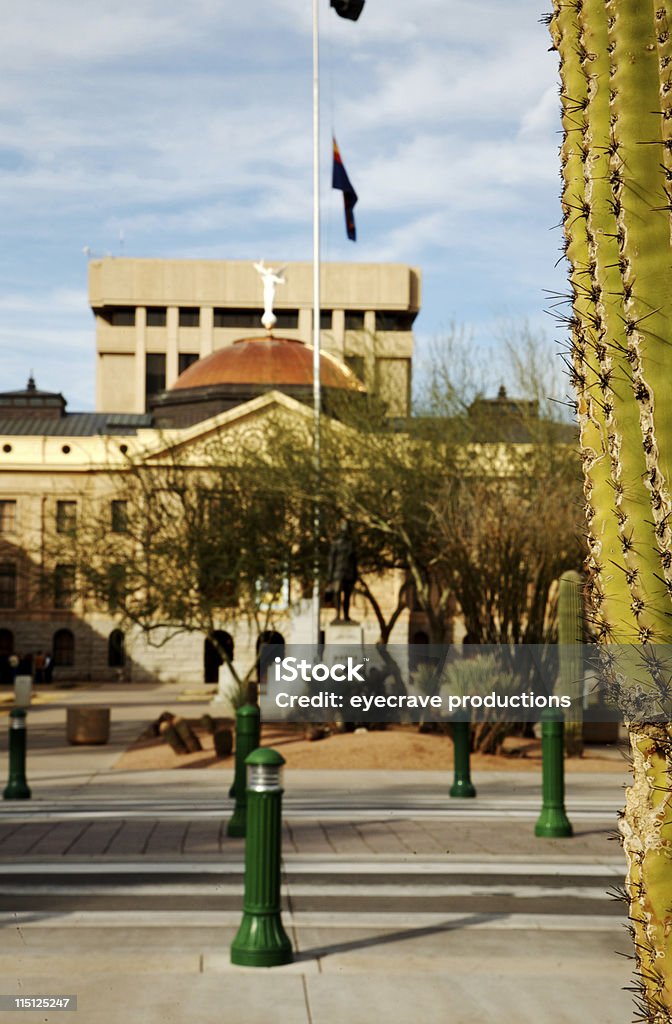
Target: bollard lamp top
pixel 264 770
pixel 551 715
pixel 248 711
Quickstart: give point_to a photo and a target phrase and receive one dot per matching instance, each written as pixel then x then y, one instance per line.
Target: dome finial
pixel 31 386
pixel 269 278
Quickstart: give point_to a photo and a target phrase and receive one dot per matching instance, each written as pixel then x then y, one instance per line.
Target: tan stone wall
pixel 38 472
pixel 116 381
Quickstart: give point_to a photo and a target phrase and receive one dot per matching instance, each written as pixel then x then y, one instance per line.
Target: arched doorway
pixel 64 648
pixel 6 642
pixel 116 650
pixel 6 648
pixel 418 653
pixel 270 645
pixel 212 659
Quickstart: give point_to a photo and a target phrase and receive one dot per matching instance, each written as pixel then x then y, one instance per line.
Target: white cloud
pixel 189 127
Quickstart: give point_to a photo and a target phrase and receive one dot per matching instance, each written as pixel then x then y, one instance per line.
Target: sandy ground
pixel 401 747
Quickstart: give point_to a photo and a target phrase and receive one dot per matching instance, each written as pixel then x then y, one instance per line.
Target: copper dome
pixel 269 362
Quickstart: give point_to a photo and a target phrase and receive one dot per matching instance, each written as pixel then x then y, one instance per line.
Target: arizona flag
pixel 341 181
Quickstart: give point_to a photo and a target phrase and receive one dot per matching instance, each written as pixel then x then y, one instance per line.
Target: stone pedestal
pixel 349 636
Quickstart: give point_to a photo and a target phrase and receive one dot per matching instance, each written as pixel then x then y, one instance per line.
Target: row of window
pixel 65 517
pixel 288 319
pixel 64 579
pixel 63 585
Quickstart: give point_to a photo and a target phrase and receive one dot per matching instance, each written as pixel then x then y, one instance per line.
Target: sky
pixel 160 129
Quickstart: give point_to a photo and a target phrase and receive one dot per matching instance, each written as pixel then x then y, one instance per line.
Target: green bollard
pixel 247 739
pixel 17 788
pixel 553 822
pixel 462 785
pixel 261 940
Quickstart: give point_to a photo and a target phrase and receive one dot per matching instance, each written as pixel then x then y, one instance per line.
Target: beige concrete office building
pixel 154 317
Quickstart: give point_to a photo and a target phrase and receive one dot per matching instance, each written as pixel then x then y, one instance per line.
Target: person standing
pixel 39 668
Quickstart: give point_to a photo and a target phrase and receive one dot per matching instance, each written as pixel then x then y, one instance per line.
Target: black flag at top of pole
pixel 348 8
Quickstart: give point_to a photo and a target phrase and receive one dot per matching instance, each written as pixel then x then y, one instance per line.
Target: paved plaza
pixel 122 888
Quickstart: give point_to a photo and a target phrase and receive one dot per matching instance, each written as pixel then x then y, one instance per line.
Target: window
pixel 119 515
pixel 326 316
pixel 116 650
pixel 156 316
pixel 116 586
pixel 64 647
pixel 354 320
pixel 118 316
pixel 66 517
pixel 215 588
pixel 184 360
pixel 155 373
pixel 7 516
pixel 238 317
pixel 189 317
pixel 64 586
pixel 287 319
pixel 7 585
pixel 390 320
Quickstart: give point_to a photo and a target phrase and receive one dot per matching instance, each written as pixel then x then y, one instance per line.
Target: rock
pixel 170 734
pixel 187 735
pixel 316 732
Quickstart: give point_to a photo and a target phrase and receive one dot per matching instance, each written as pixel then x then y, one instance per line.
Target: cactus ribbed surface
pixel 570 644
pixel 616 69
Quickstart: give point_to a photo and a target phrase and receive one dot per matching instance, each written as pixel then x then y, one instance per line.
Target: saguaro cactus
pixel 616 69
pixel 570 641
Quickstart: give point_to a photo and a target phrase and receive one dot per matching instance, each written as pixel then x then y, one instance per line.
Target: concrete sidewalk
pixel 446 973
pixel 490 959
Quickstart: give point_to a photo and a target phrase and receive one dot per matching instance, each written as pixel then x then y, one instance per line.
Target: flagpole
pixel 317 396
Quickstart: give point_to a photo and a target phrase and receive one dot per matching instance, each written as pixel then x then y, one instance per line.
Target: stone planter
pixel 88 725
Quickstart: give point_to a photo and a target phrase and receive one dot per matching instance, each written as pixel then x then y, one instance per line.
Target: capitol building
pixel 180 353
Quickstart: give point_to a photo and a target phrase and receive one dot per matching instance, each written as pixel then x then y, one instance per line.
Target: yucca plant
pixel 616 70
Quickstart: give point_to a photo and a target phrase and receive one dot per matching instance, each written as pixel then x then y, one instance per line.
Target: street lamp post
pixel 261 940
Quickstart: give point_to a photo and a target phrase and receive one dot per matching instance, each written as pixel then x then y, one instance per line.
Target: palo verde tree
pixel 475 502
pixel 384 482
pixel 204 538
pixel 508 517
pixel 616 70
pixel 507 539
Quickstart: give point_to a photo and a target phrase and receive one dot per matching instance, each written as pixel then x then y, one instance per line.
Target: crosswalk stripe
pixel 152 812
pixel 295 864
pixel 398 890
pixel 134 919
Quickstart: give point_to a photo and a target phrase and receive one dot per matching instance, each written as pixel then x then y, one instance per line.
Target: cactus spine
pixel 570 643
pixel 616 70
